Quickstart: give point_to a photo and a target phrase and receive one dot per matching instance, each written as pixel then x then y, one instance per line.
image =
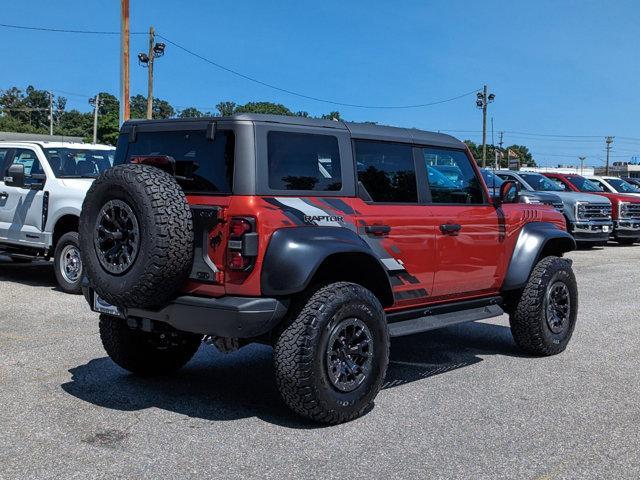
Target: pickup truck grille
pixel 630 210
pixel 594 211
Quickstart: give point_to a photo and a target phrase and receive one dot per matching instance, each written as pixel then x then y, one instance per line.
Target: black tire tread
pixel 294 354
pixel 129 349
pixel 526 326
pixel 169 262
pixel 69 237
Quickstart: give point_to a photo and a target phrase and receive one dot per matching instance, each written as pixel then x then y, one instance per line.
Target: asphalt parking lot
pixel 458 403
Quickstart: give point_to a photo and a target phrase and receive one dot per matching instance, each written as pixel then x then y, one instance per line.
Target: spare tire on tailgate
pixel 136 236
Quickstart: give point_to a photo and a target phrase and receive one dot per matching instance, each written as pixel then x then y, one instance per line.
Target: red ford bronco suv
pixel 320 238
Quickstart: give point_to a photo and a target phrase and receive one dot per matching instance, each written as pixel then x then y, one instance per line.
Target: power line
pixel 308 97
pixel 63 30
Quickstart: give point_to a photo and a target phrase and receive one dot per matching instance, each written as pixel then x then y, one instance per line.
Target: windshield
pixel 540 183
pixel 622 186
pixel 584 185
pixel 78 163
pixel 491 179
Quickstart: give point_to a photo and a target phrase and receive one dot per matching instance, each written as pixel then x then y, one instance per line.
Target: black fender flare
pixel 294 255
pixel 535 239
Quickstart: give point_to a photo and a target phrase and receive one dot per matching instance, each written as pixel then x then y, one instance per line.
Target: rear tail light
pixel 242 248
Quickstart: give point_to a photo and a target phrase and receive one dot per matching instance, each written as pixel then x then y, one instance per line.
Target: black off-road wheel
pixel 627 241
pixel 136 236
pixel 544 316
pixel 67 263
pixel 146 353
pixel 331 359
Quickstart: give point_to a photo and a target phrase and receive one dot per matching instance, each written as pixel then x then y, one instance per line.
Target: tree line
pixel 28 110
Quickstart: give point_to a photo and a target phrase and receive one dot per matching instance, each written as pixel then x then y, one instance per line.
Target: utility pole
pixel 609 141
pixel 156 50
pixel 96 105
pixel 51 114
pixel 582 159
pixel 124 62
pixel 483 99
pixel 501 150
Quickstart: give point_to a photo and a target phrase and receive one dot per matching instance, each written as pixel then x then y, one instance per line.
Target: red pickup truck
pixel 626 208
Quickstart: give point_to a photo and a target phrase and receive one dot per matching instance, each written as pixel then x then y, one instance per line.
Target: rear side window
pixel 202 165
pixel 303 161
pixel 386 171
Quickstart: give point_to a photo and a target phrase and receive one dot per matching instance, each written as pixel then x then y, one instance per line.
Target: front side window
pixel 31 164
pixel 584 185
pixel 600 185
pixel 386 171
pixel 540 183
pixel 202 165
pixel 464 186
pixel 78 163
pixel 303 161
pixel 621 186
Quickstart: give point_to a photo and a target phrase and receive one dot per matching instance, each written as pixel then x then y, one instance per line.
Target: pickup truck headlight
pixel 623 210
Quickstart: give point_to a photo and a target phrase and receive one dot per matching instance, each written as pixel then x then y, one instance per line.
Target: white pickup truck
pixel 42 187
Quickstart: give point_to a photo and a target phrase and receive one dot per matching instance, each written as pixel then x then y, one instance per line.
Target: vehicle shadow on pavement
pixel 36 274
pixel 215 386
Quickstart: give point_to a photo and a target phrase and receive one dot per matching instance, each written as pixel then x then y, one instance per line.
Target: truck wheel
pixel 136 236
pixel 330 361
pixel 545 314
pixel 67 263
pixel 627 241
pixel 146 353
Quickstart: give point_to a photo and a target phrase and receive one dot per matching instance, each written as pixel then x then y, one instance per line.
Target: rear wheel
pixel 146 353
pixel 331 360
pixel 67 263
pixel 544 316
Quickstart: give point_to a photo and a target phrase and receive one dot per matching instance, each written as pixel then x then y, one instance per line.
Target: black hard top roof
pixel 367 131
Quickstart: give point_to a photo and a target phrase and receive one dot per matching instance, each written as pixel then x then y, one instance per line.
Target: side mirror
pixel 15 176
pixel 509 192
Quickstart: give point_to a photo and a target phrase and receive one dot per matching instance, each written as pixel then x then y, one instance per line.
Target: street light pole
pixel 124 62
pixel 582 159
pixel 96 105
pixel 156 50
pixel 483 99
pixel 609 141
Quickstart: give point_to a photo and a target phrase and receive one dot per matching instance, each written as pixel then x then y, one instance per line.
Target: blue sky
pixel 556 67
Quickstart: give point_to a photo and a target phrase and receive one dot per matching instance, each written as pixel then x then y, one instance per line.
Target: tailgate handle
pixel 377 229
pixel 204 219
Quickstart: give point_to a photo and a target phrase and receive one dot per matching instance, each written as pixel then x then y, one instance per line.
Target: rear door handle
pixel 377 229
pixel 450 228
pixel 4 195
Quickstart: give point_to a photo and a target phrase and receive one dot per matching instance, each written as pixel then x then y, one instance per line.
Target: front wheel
pixel 67 263
pixel 331 360
pixel 544 316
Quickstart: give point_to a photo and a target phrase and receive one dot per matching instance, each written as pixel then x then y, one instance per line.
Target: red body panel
pixel 436 267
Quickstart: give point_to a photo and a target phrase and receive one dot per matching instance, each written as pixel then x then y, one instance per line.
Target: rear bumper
pixel 235 317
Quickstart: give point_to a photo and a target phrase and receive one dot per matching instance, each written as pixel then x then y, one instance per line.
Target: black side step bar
pixel 423 320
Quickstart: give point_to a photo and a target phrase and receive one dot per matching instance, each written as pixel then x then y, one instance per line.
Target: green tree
pixel 263 107
pixel 159 109
pixel 226 109
pixel 190 112
pixel 332 116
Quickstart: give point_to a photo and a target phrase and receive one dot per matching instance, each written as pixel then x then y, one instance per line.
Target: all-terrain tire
pixel 536 325
pixel 627 241
pixel 301 353
pixel 69 281
pixel 146 353
pixel 165 241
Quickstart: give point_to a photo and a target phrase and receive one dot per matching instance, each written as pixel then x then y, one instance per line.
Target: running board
pixel 445 319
